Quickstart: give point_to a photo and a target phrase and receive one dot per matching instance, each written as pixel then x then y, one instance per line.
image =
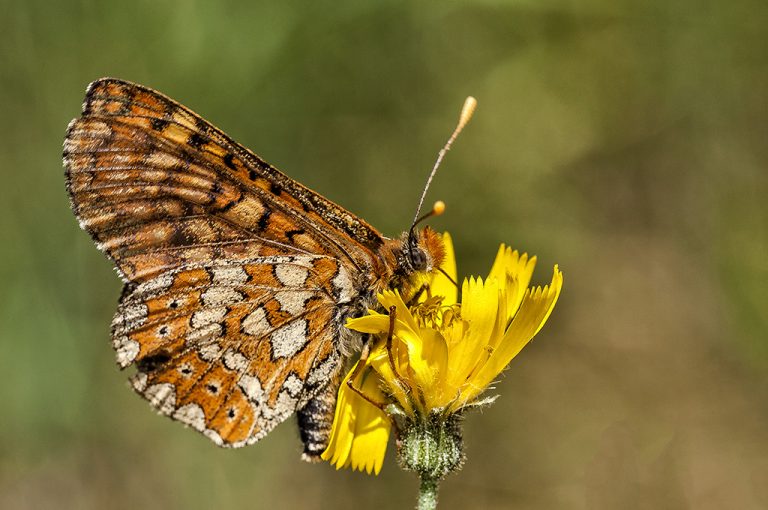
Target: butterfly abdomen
pixel 315 420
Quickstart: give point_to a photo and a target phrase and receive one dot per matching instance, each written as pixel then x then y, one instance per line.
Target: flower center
pixel 431 313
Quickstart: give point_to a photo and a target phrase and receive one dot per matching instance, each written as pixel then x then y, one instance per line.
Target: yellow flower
pixel 441 356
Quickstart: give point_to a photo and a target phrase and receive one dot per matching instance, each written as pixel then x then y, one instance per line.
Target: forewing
pixel 158 187
pixel 232 349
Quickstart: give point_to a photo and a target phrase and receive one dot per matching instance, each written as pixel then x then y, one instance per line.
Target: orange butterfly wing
pixel 233 348
pixel 238 278
pixel 156 185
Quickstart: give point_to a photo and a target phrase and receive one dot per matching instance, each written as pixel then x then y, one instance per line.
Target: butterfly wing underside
pixel 232 349
pixel 238 279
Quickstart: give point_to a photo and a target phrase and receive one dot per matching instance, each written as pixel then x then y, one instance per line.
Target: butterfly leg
pixel 359 367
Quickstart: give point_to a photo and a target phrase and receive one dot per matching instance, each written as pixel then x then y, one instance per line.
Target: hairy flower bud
pixel 433 447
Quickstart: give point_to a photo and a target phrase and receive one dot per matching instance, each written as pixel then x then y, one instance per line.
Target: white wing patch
pixel 344 285
pixel 291 275
pixel 162 396
pixel 126 350
pixel 192 415
pixel 289 339
pixel 251 386
pixel 256 324
pixel 221 295
pixel 210 352
pixel 235 361
pixel 208 316
pixel 293 301
pixel 229 275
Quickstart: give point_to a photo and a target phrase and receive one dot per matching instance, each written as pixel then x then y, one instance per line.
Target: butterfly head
pixel 416 253
pixel 424 251
pixel 423 248
pixel 412 256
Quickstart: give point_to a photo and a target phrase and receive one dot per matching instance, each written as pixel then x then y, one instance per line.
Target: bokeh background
pixel 624 140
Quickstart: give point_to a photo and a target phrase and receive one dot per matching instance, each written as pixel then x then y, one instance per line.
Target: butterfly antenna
pixel 466 113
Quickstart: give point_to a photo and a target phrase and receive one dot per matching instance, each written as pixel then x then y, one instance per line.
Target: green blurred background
pixel 624 140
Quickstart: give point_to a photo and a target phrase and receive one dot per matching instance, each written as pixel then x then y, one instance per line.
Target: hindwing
pixel 232 349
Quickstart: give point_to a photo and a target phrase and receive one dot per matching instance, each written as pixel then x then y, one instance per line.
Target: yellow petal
pixel 536 306
pixel 499 267
pixel 514 271
pixel 389 298
pixel 503 316
pixel 479 307
pixel 372 428
pixel 360 430
pixel 440 284
pixel 420 357
pixel 428 363
pixel 374 323
pixel 380 361
pixel 342 431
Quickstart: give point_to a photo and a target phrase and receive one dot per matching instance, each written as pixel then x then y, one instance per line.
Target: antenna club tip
pixel 438 208
pixel 470 103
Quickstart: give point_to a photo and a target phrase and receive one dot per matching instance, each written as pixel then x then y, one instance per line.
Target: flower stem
pixel 427 494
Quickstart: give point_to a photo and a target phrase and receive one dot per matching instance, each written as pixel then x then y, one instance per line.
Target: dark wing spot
pixel 173 305
pixel 128 289
pixel 229 160
pixel 202 125
pixel 275 188
pixel 252 175
pixel 151 363
pixel 292 233
pixel 264 220
pixel 159 124
pixel 231 413
pixel 179 238
pixel 164 330
pixel 212 388
pixel 196 140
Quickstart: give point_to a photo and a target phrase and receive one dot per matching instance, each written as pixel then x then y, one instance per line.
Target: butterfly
pixel 238 279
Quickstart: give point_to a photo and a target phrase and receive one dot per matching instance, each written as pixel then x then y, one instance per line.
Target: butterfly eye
pixel 418 258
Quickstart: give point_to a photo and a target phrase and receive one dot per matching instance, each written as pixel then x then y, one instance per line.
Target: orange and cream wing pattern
pixel 233 349
pixel 157 186
pixel 238 279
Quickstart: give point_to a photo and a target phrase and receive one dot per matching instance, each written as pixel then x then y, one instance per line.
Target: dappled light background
pixel 624 140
